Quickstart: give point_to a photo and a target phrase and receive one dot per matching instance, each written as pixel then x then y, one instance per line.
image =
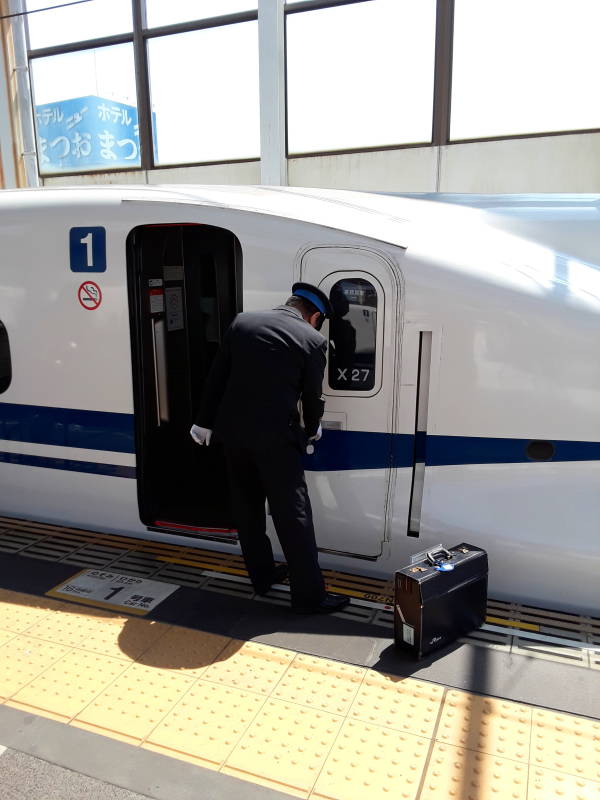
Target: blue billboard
pixel 87 133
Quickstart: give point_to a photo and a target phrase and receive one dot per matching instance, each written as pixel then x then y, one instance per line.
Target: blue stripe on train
pixel 337 450
pixel 342 450
pixel 115 470
pixel 67 427
pixel 444 450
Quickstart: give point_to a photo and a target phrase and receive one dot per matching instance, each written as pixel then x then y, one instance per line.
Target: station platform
pixel 215 693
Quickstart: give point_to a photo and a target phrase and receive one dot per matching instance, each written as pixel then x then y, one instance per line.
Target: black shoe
pixel 279 574
pixel 329 604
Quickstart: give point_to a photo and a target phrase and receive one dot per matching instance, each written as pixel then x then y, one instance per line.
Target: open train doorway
pixel 185 287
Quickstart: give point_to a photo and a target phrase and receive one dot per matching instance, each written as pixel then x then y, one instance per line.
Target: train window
pixel 353 335
pixel 5 365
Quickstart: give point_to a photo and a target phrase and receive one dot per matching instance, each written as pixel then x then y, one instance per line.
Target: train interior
pixel 184 290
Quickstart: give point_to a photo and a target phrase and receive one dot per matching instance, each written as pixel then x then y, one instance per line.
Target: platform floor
pixel 218 695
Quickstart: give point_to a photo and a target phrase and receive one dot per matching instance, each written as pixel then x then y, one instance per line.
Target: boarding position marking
pixel 89 295
pixel 98 587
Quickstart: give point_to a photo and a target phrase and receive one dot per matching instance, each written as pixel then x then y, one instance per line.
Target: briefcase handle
pixel 431 555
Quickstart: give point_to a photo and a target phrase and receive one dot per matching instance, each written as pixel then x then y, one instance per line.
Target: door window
pixel 5 365
pixel 353 335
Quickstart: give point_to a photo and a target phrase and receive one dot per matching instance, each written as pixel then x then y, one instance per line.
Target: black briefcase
pixel 440 597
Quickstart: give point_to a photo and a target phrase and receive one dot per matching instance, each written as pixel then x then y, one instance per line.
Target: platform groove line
pixel 305 725
pixel 320 771
pixel 431 745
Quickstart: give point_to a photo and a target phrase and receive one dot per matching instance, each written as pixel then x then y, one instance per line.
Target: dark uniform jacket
pixel 269 360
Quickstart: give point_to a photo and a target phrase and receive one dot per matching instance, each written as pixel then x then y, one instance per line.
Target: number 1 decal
pixel 87 249
pixel 87 241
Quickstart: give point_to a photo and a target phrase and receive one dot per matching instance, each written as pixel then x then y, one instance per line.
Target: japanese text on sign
pixel 100 587
pixel 87 132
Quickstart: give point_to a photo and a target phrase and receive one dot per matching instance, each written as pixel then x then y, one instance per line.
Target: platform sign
pixel 105 589
pixel 87 133
pixel 87 249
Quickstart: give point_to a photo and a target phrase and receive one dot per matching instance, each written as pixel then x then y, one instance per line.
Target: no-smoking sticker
pixel 89 295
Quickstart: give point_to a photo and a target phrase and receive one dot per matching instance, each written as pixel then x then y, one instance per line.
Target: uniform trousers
pixel 275 474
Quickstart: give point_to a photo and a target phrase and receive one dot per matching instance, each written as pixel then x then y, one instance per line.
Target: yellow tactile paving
pixel 404 704
pixel 66 626
pixel 493 726
pixel 124 637
pixel 369 761
pixel 132 706
pixel 206 724
pixel 546 784
pixel 6 636
pixel 455 773
pixel 307 726
pixel 285 746
pixel 188 652
pixel 22 659
pixel 66 688
pixel 19 613
pixel 327 685
pixel 256 667
pixel 566 743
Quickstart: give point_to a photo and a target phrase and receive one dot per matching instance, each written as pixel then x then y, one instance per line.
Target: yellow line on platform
pixel 203 565
pixel 526 626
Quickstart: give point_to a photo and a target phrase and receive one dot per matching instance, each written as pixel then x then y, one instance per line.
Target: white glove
pixel 200 435
pixel 317 435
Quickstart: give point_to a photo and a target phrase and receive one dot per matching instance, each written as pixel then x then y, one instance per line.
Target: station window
pixel 222 122
pixel 547 83
pixel 360 75
pixel 5 365
pixel 353 335
pixel 55 23
pixel 86 110
pixel 161 13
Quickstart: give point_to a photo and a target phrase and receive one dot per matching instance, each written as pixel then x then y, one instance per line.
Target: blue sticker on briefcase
pixel 87 249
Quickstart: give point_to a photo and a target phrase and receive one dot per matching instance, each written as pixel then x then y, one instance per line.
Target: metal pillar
pixel 7 151
pixel 25 124
pixel 271 48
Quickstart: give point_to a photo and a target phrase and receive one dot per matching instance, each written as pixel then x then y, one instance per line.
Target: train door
pixel 185 288
pixel 350 471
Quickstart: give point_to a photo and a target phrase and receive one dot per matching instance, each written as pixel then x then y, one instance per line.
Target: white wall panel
pixel 244 173
pixel 569 163
pixel 247 172
pixel 406 170
pixel 96 178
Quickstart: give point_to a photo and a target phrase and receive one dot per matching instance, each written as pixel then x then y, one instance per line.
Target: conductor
pixel 270 361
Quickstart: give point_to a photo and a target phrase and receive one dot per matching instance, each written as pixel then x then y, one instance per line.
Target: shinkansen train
pixel 462 386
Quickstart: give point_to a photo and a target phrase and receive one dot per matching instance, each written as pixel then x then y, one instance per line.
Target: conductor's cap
pixel 318 298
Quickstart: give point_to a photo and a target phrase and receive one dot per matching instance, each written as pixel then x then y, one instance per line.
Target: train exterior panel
pixel 462 387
